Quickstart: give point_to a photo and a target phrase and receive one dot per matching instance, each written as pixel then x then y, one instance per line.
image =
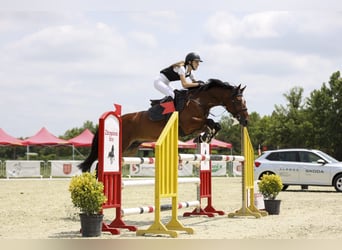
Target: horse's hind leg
pixel 132 149
pixel 210 131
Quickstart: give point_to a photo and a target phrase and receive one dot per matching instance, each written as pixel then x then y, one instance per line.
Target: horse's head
pixel 237 105
pixel 218 93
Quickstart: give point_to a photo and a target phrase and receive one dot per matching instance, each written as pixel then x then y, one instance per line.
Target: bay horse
pixel 137 127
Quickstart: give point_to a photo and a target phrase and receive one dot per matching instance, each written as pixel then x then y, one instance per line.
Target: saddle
pixel 161 109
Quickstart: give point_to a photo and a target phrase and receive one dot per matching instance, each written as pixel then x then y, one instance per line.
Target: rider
pixel 178 71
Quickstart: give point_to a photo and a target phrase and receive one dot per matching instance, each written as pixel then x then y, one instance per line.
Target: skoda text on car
pixel 306 167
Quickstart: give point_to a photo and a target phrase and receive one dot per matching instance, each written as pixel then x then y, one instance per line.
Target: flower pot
pixel 91 225
pixel 272 206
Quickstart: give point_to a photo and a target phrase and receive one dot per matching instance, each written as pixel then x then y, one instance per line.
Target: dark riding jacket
pixel 171 75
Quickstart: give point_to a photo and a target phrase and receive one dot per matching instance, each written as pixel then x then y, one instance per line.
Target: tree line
pixel 312 122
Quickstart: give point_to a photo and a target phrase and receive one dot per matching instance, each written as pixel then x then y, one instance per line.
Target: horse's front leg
pixel 210 131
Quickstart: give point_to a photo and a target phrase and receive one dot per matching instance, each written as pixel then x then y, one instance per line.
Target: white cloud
pixel 162 20
pixel 265 24
pixel 305 32
pixel 225 26
pixel 145 39
pixel 67 43
pixel 318 22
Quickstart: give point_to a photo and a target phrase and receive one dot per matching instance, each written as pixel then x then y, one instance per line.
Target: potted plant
pixel 270 185
pixel 87 195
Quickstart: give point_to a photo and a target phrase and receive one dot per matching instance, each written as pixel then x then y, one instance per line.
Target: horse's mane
pixel 213 83
pixel 217 83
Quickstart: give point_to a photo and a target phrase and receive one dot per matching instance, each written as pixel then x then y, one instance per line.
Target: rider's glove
pixel 200 83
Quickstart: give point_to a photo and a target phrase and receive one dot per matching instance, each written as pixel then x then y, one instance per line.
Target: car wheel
pixel 285 187
pixel 338 183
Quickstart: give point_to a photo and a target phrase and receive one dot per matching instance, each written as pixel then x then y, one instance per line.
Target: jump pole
pixel 163 207
pixel 184 158
pixel 147 182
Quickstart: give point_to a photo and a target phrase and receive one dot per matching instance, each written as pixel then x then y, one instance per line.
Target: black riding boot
pixel 158 101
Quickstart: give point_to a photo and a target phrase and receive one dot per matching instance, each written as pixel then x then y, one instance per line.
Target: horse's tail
pixel 86 164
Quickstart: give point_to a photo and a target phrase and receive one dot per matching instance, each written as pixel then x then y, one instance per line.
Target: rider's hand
pixel 200 83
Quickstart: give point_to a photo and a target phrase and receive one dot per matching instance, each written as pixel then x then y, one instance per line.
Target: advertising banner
pixel 23 169
pixel 64 168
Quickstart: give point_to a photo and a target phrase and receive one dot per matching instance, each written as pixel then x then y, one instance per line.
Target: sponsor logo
pixel 239 168
pixel 135 168
pixel 111 155
pixel 215 168
pixel 289 169
pixel 67 167
pixel 314 171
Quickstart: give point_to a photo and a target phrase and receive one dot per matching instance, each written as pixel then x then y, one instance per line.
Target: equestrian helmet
pixel 192 57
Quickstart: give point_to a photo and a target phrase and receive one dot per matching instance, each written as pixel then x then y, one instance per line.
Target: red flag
pixel 169 107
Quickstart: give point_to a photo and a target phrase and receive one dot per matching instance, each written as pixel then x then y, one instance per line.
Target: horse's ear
pixel 238 87
pixel 243 89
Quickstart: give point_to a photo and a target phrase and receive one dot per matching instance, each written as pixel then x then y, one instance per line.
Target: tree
pixel 324 111
pixel 259 129
pixel 289 125
pixel 230 132
pixel 76 131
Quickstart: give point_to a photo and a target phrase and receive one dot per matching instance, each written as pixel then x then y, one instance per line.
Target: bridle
pixel 238 98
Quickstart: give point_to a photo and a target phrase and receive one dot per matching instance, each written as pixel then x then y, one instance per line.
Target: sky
pixel 66 62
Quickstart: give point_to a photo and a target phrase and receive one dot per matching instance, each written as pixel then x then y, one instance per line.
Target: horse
pixel 138 127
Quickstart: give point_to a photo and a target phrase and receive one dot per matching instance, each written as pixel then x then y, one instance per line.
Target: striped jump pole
pixel 163 207
pixel 209 157
pixel 184 158
pixel 138 160
pixel 147 182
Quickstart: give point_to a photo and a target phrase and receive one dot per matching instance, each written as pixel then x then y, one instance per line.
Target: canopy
pixel 220 144
pixel 181 144
pixel 215 143
pixel 44 137
pixel 6 139
pixel 84 139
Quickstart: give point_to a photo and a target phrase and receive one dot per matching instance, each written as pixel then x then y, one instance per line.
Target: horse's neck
pixel 211 98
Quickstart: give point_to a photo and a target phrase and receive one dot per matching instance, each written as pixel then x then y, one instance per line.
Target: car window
pixel 273 156
pixel 313 157
pixel 288 156
pixel 304 157
pixel 308 157
pixel 283 156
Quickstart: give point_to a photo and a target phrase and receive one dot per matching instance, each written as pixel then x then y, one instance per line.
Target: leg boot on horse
pixel 209 133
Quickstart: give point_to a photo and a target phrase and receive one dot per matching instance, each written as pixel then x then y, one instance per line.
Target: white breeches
pixel 163 85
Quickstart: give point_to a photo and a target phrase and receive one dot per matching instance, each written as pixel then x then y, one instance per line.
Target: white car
pixel 305 167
